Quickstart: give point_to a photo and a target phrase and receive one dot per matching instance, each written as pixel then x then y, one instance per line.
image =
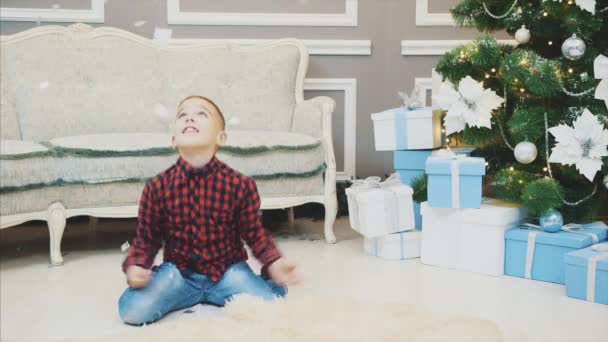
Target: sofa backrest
pixel 78 80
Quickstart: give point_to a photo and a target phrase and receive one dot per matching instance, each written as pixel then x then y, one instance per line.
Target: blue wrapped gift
pixel 454 181
pixel 534 254
pixel 410 164
pixel 587 273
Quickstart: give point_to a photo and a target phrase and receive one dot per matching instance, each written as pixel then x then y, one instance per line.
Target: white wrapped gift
pixel 397 246
pixel 468 239
pixel 380 208
pixel 407 129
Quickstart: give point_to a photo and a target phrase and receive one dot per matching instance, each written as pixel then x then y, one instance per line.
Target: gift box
pixel 587 273
pixel 397 246
pixel 407 129
pixel 534 254
pixel 468 239
pixel 380 208
pixel 454 180
pixel 410 164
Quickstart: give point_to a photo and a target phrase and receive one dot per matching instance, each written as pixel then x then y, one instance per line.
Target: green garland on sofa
pixel 9 189
pixel 262 149
pixel 27 155
pixel 59 151
pixel 89 153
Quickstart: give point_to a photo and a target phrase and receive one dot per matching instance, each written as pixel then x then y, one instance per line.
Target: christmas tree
pixel 537 110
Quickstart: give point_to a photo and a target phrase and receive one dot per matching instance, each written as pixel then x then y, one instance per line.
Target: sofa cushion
pixel 25 163
pixel 261 154
pixel 114 145
pixel 136 157
pixel 269 155
pixel 20 149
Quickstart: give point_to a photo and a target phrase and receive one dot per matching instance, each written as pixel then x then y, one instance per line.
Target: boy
pixel 201 210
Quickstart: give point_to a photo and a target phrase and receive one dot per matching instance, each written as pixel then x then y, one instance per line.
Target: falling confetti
pixel 139 23
pixel 234 121
pixel 162 112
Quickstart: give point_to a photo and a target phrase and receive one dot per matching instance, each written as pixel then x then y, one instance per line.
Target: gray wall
pixel 379 75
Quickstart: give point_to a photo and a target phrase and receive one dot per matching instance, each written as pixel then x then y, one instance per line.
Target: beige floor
pixel 39 303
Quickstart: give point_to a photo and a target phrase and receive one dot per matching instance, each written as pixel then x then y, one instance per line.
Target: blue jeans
pixel 170 290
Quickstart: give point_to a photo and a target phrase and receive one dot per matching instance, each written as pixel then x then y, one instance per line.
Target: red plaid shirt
pixel 201 215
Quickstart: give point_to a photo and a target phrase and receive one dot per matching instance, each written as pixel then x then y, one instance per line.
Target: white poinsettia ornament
pixel 469 104
pixel 600 70
pixel 582 145
pixel 587 5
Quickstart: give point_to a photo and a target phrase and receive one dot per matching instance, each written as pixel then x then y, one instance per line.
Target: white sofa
pixel 85 116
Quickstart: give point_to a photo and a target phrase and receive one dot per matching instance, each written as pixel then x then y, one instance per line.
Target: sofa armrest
pixel 314 117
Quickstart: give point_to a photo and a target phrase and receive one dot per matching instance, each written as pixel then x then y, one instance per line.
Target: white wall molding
pixel 315 46
pixel 93 15
pixel 425 18
pixel 424 84
pixel 436 47
pixel 349 87
pixel 175 16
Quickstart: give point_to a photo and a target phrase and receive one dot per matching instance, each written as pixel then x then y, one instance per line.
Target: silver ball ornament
pixel 551 221
pixel 606 181
pixel 522 35
pixel 525 152
pixel 573 48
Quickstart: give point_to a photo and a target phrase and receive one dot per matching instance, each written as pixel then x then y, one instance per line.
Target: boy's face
pixel 198 124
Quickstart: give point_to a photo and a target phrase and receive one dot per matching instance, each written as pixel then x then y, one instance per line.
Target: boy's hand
pixel 138 277
pixel 284 272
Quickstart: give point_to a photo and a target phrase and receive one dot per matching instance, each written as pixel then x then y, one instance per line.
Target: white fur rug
pixel 315 319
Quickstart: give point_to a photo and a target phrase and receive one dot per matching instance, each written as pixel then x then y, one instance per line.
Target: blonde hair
pixel 217 108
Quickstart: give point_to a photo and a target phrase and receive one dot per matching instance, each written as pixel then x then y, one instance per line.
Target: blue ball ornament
pixel 552 221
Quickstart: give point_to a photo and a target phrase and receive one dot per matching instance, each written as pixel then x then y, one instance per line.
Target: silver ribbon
pixel 575 228
pixel 391 198
pixel 401 246
pixel 358 186
pixel 447 153
pixel 530 247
